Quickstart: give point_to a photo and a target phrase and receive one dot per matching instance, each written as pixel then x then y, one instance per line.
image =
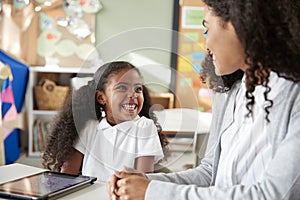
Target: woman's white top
pixel 109 148
pixel 246 151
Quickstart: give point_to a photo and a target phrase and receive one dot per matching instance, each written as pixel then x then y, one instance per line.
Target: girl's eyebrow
pixel 126 83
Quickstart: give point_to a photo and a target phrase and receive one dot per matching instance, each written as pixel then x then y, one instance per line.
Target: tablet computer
pixel 44 185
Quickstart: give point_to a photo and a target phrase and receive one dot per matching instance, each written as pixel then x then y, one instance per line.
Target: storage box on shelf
pixel 39 121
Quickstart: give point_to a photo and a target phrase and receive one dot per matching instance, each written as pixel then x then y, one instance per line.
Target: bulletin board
pixel 190 91
pixel 66 32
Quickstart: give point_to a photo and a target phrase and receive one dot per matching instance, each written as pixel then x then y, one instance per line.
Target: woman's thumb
pixel 128 169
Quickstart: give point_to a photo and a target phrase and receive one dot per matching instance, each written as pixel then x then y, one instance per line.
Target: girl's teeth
pixel 129 107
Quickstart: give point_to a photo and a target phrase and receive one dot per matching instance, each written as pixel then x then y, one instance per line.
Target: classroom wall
pixel 139 31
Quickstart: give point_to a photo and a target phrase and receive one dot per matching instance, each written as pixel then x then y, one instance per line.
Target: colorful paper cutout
pixel 40 1
pixel 18 4
pixel 46 22
pixel 83 51
pixel 184 65
pixel 7 97
pixel 186 48
pixel 73 9
pixel 188 58
pixel 197 67
pixel 46 42
pixel 66 47
pixel 198 56
pixel 186 82
pixel 79 28
pixel 191 36
pixel 198 47
pixel 91 6
pixel 196 83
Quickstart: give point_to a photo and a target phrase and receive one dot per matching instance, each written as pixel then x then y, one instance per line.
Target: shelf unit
pixel 64 75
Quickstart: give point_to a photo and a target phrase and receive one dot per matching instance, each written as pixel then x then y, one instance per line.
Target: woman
pixel 253 150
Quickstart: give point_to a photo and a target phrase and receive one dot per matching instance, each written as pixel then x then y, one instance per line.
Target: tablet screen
pixel 44 183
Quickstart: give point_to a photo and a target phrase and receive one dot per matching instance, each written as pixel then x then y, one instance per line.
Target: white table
pixel 182 124
pixel 14 171
pixel 184 120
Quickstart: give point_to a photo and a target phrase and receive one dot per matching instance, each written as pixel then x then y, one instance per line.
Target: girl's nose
pixel 131 94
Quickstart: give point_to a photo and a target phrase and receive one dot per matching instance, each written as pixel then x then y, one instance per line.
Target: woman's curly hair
pixel 269 33
pixel 80 107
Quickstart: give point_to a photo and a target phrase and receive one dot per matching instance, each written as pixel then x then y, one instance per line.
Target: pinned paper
pixel 202 45
pixel 73 9
pixel 91 6
pixel 79 28
pixel 198 47
pixel 198 56
pixel 184 65
pixel 47 41
pixel 196 83
pixel 18 4
pixel 84 51
pixel 186 48
pixel 188 57
pixel 186 82
pixel 197 67
pixel 46 22
pixel 66 47
pixel 191 36
pixel 40 1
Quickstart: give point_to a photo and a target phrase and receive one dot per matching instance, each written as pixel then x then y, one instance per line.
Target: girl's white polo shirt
pixel 109 148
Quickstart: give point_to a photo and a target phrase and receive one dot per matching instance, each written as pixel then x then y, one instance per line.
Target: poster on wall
pixel 192 17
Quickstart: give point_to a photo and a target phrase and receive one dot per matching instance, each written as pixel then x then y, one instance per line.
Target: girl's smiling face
pixel 123 96
pixel 223 44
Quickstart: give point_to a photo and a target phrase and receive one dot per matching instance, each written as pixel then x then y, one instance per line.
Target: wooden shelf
pixel 45 116
pixel 162 100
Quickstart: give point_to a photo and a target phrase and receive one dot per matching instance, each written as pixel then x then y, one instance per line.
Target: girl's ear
pixel 100 96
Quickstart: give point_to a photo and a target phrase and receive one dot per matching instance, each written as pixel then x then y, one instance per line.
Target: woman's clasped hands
pixel 127 184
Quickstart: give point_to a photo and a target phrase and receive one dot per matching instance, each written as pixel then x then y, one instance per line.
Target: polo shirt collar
pixel 124 126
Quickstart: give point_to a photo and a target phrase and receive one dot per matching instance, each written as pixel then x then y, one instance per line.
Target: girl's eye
pixel 205 32
pixel 204 28
pixel 139 89
pixel 122 88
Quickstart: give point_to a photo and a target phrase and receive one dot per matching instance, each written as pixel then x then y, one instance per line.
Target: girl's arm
pixel 73 164
pixel 145 164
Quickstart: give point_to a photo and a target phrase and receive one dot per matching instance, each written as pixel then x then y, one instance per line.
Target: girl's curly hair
pixel 80 107
pixel 269 33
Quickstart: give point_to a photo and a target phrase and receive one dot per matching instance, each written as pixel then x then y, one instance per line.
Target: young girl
pixel 99 128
